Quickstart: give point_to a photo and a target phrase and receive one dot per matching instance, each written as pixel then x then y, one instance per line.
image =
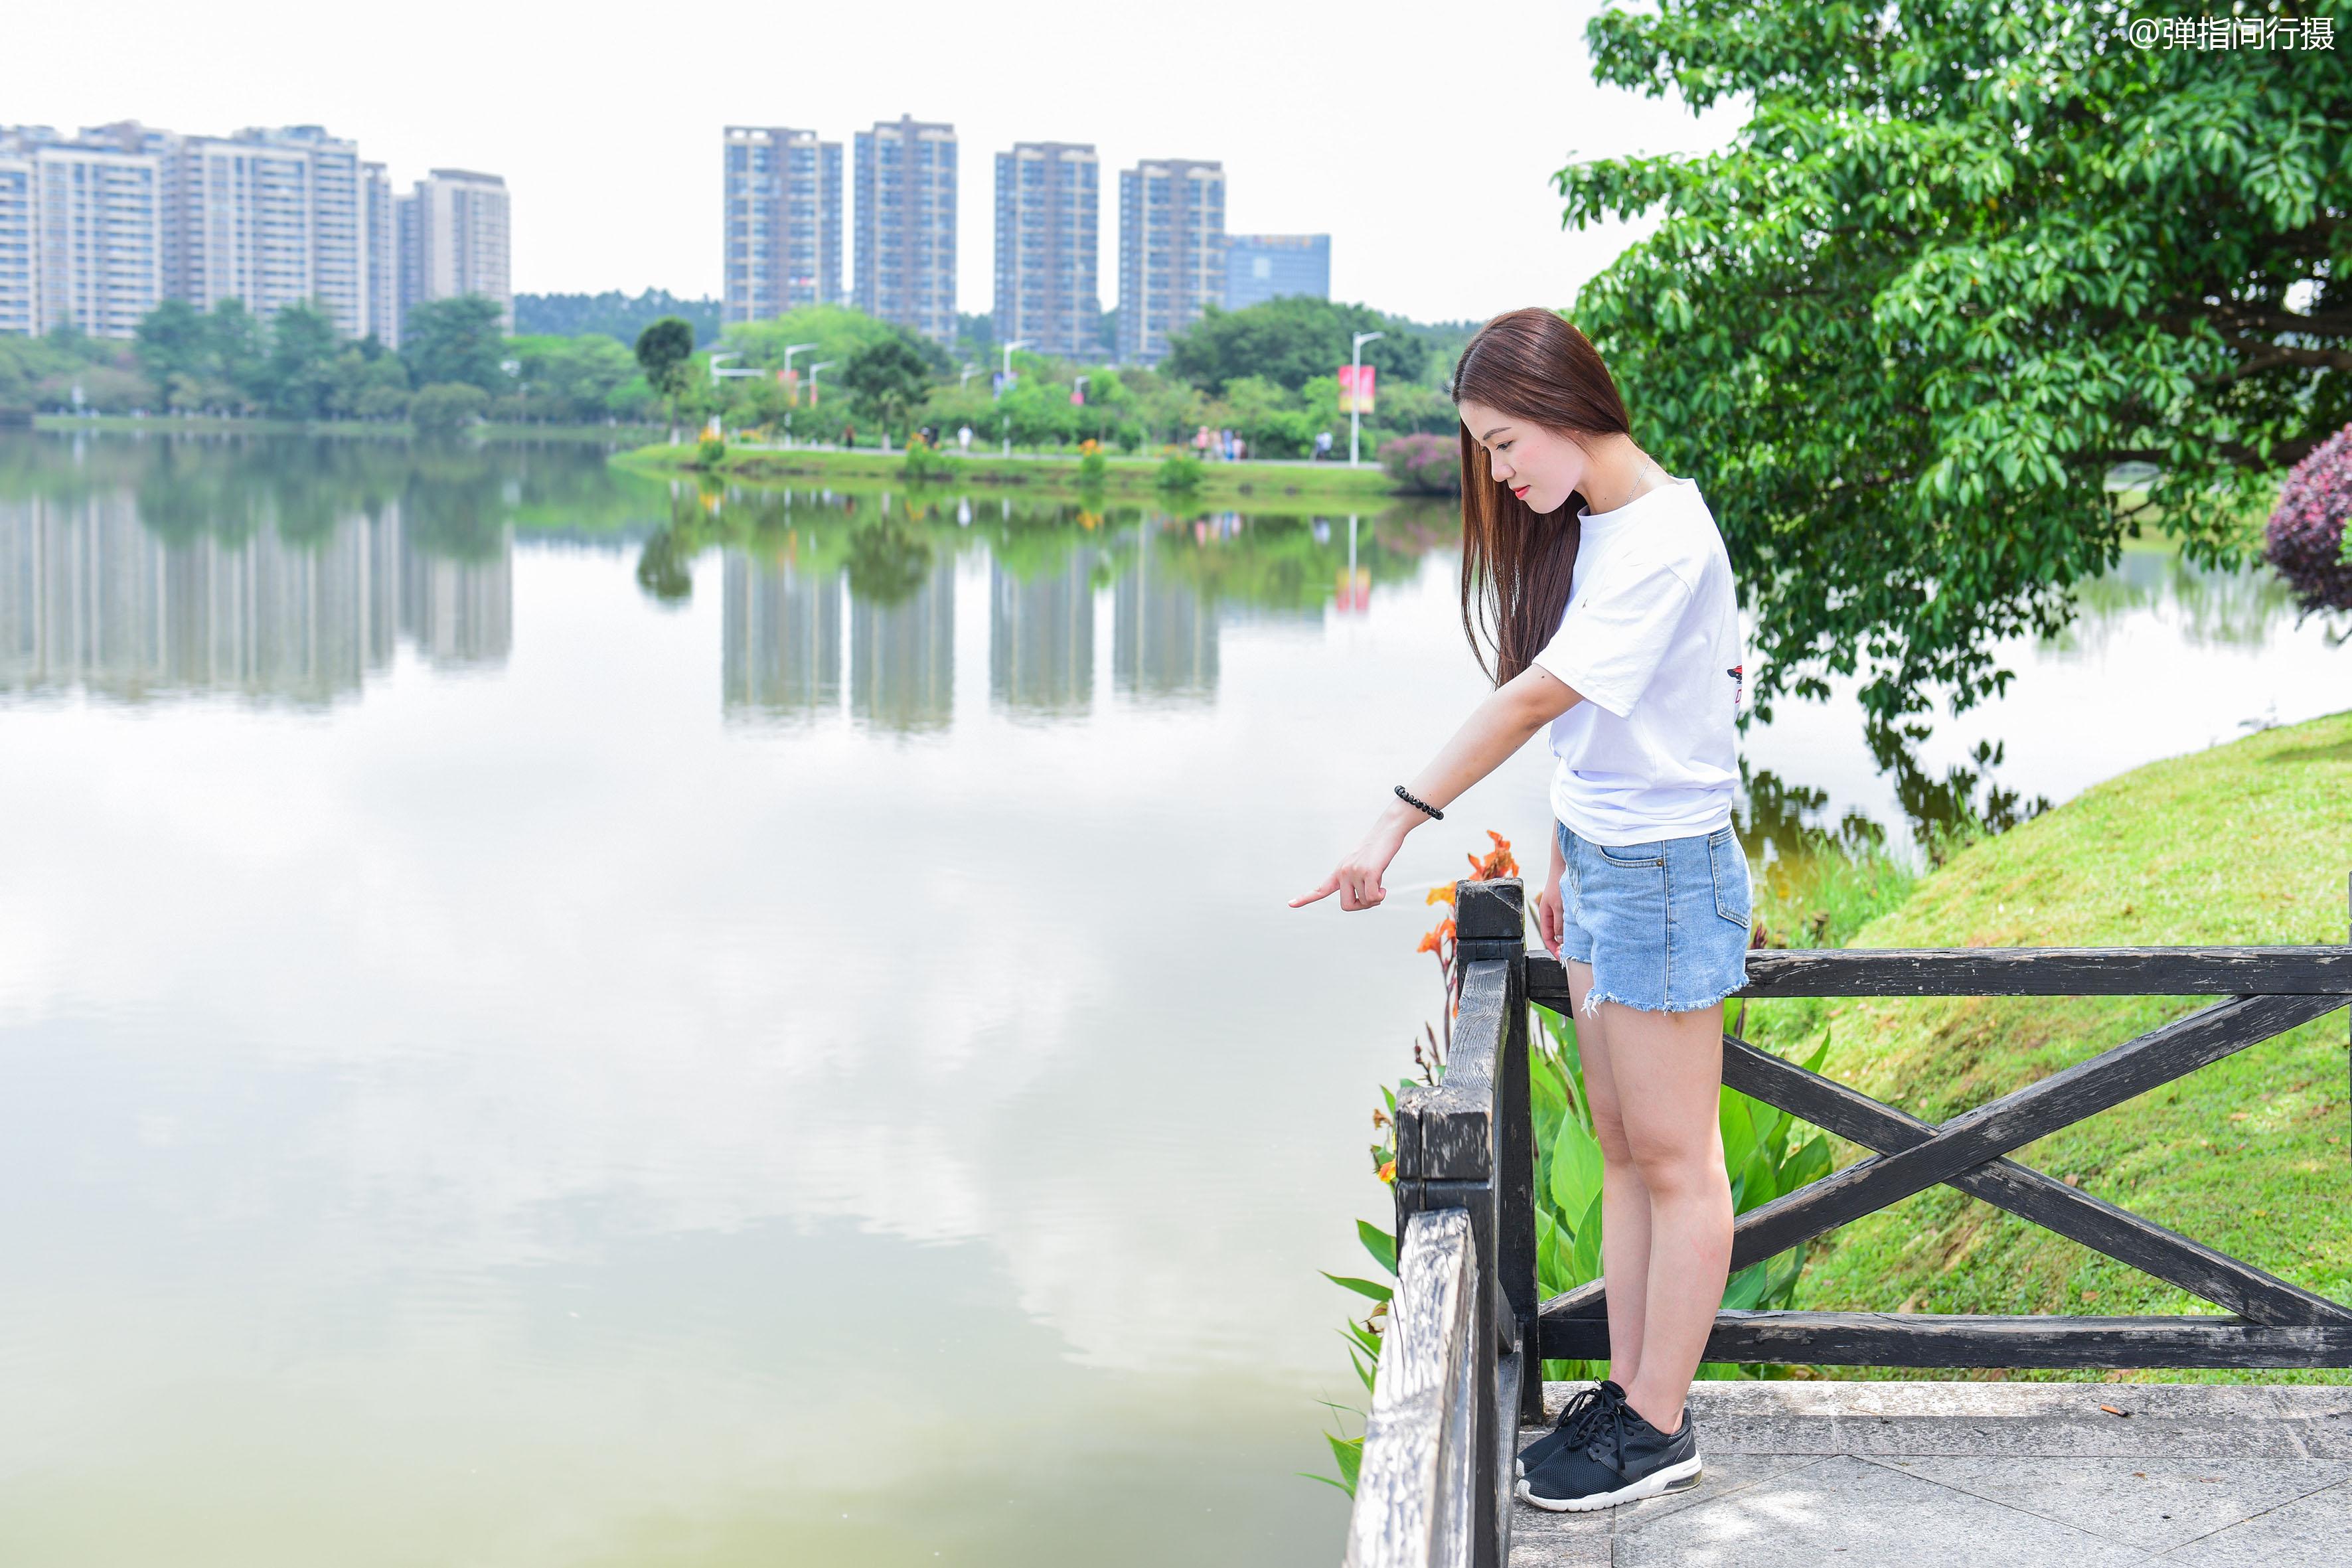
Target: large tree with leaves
pixel 1965 260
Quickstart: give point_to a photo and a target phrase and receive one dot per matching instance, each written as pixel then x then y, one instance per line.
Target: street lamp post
pixel 823 364
pixel 1356 394
pixel 1021 343
pixel 790 350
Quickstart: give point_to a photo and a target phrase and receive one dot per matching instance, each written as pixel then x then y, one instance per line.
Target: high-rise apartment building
pixel 381 260
pixel 270 217
pixel 453 241
pixel 1047 217
pixel 97 228
pixel 1260 266
pixel 1172 251
pixel 907 226
pixel 20 300
pixel 783 221
pixel 89 209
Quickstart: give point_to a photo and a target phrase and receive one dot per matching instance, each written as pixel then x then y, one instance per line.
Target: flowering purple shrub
pixel 2306 537
pixel 1424 464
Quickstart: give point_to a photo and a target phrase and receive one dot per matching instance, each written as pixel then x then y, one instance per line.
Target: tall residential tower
pixel 907 226
pixel 454 240
pixel 1047 217
pixel 1172 251
pixel 783 221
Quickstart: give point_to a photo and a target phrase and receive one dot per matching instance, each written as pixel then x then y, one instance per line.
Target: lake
pixel 547 1018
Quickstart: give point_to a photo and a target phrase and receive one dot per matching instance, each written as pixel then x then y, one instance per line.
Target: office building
pixel 907 226
pixel 1261 267
pixel 1047 217
pixel 1172 251
pixel 453 241
pixel 783 221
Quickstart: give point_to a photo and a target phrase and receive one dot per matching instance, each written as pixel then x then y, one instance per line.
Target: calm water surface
pixel 546 1019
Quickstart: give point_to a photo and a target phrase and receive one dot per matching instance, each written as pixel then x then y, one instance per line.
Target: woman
pixel 1603 587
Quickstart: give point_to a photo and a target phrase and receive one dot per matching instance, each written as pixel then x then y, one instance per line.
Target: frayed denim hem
pixel 1593 998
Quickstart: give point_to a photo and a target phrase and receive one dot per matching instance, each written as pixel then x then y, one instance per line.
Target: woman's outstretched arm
pixel 1495 729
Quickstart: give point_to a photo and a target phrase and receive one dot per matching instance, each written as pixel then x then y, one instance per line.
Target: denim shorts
pixel 1663 924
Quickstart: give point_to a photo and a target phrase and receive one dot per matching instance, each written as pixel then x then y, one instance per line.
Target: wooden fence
pixel 1460 1364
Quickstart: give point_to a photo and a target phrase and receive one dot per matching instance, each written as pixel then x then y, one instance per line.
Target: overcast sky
pixel 1421 139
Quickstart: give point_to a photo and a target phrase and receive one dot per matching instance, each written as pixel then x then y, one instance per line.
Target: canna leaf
pixel 1376 1290
pixel 1379 1243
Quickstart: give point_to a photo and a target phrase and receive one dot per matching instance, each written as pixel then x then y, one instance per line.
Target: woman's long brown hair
pixel 1517 564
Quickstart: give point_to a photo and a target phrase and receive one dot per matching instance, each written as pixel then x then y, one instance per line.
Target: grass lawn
pixel 2247 843
pixel 1130 479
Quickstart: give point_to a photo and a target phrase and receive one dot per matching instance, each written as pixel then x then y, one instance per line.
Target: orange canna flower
pixel 1444 895
pixel 1388 1172
pixel 1442 931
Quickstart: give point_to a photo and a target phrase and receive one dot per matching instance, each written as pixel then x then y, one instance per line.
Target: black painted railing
pixel 1460 1361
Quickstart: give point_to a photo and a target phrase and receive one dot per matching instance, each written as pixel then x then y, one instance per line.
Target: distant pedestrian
pixel 1200 442
pixel 1322 445
pixel 963 437
pixel 1241 448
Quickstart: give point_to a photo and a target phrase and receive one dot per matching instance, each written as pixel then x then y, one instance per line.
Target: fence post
pixel 1490 923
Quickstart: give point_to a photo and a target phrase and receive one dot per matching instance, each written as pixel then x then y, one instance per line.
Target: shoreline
pixel 1128 478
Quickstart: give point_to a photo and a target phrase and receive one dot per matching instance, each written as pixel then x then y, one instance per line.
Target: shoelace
pixel 1583 1409
pixel 1615 1435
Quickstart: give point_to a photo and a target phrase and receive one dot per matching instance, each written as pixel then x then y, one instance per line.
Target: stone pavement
pixel 2005 1475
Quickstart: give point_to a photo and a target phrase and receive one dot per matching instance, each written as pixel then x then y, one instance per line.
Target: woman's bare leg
pixel 1665 1070
pixel 1625 1199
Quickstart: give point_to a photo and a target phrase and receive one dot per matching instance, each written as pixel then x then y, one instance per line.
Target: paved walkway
pixel 2006 1474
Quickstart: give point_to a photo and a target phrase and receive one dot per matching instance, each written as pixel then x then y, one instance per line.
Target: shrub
pixel 2306 539
pixel 710 452
pixel 1094 468
pixel 389 403
pixel 925 464
pixel 447 405
pixel 1177 471
pixel 1424 465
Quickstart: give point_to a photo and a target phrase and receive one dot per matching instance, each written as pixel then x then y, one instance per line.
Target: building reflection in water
pixel 92 600
pixel 902 655
pixel 1041 636
pixel 1163 633
pixel 782 639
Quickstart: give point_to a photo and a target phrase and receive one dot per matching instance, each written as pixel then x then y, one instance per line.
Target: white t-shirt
pixel 1651 641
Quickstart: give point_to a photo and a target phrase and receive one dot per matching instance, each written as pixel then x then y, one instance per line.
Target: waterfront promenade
pixel 2004 1475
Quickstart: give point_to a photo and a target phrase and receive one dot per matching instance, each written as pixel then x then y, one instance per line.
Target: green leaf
pixel 1379 1243
pixel 1377 1291
pixel 1575 1168
pixel 1584 1259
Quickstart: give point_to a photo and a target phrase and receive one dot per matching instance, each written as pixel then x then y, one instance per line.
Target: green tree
pixel 665 351
pixel 1291 340
pixel 447 406
pixel 1965 259
pixel 459 341
pixel 888 381
pixel 298 378
pixel 172 340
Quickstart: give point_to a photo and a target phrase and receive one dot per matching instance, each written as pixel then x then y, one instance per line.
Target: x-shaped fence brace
pixel 2275 1323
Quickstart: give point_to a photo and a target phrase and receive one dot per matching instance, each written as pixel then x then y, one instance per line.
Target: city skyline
pixel 624 200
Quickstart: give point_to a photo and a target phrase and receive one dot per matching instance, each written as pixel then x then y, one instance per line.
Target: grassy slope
pixel 2248 843
pixel 1130 479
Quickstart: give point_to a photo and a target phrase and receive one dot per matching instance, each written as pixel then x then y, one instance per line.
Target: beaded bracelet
pixel 1410 799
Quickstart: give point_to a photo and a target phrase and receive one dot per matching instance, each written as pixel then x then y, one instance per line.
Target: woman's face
pixel 1542 467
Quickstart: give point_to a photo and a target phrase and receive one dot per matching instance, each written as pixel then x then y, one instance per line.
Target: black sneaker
pixel 1575 1416
pixel 1622 1459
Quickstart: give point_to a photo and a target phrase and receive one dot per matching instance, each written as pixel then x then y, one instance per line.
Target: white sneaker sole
pixel 1673 1478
